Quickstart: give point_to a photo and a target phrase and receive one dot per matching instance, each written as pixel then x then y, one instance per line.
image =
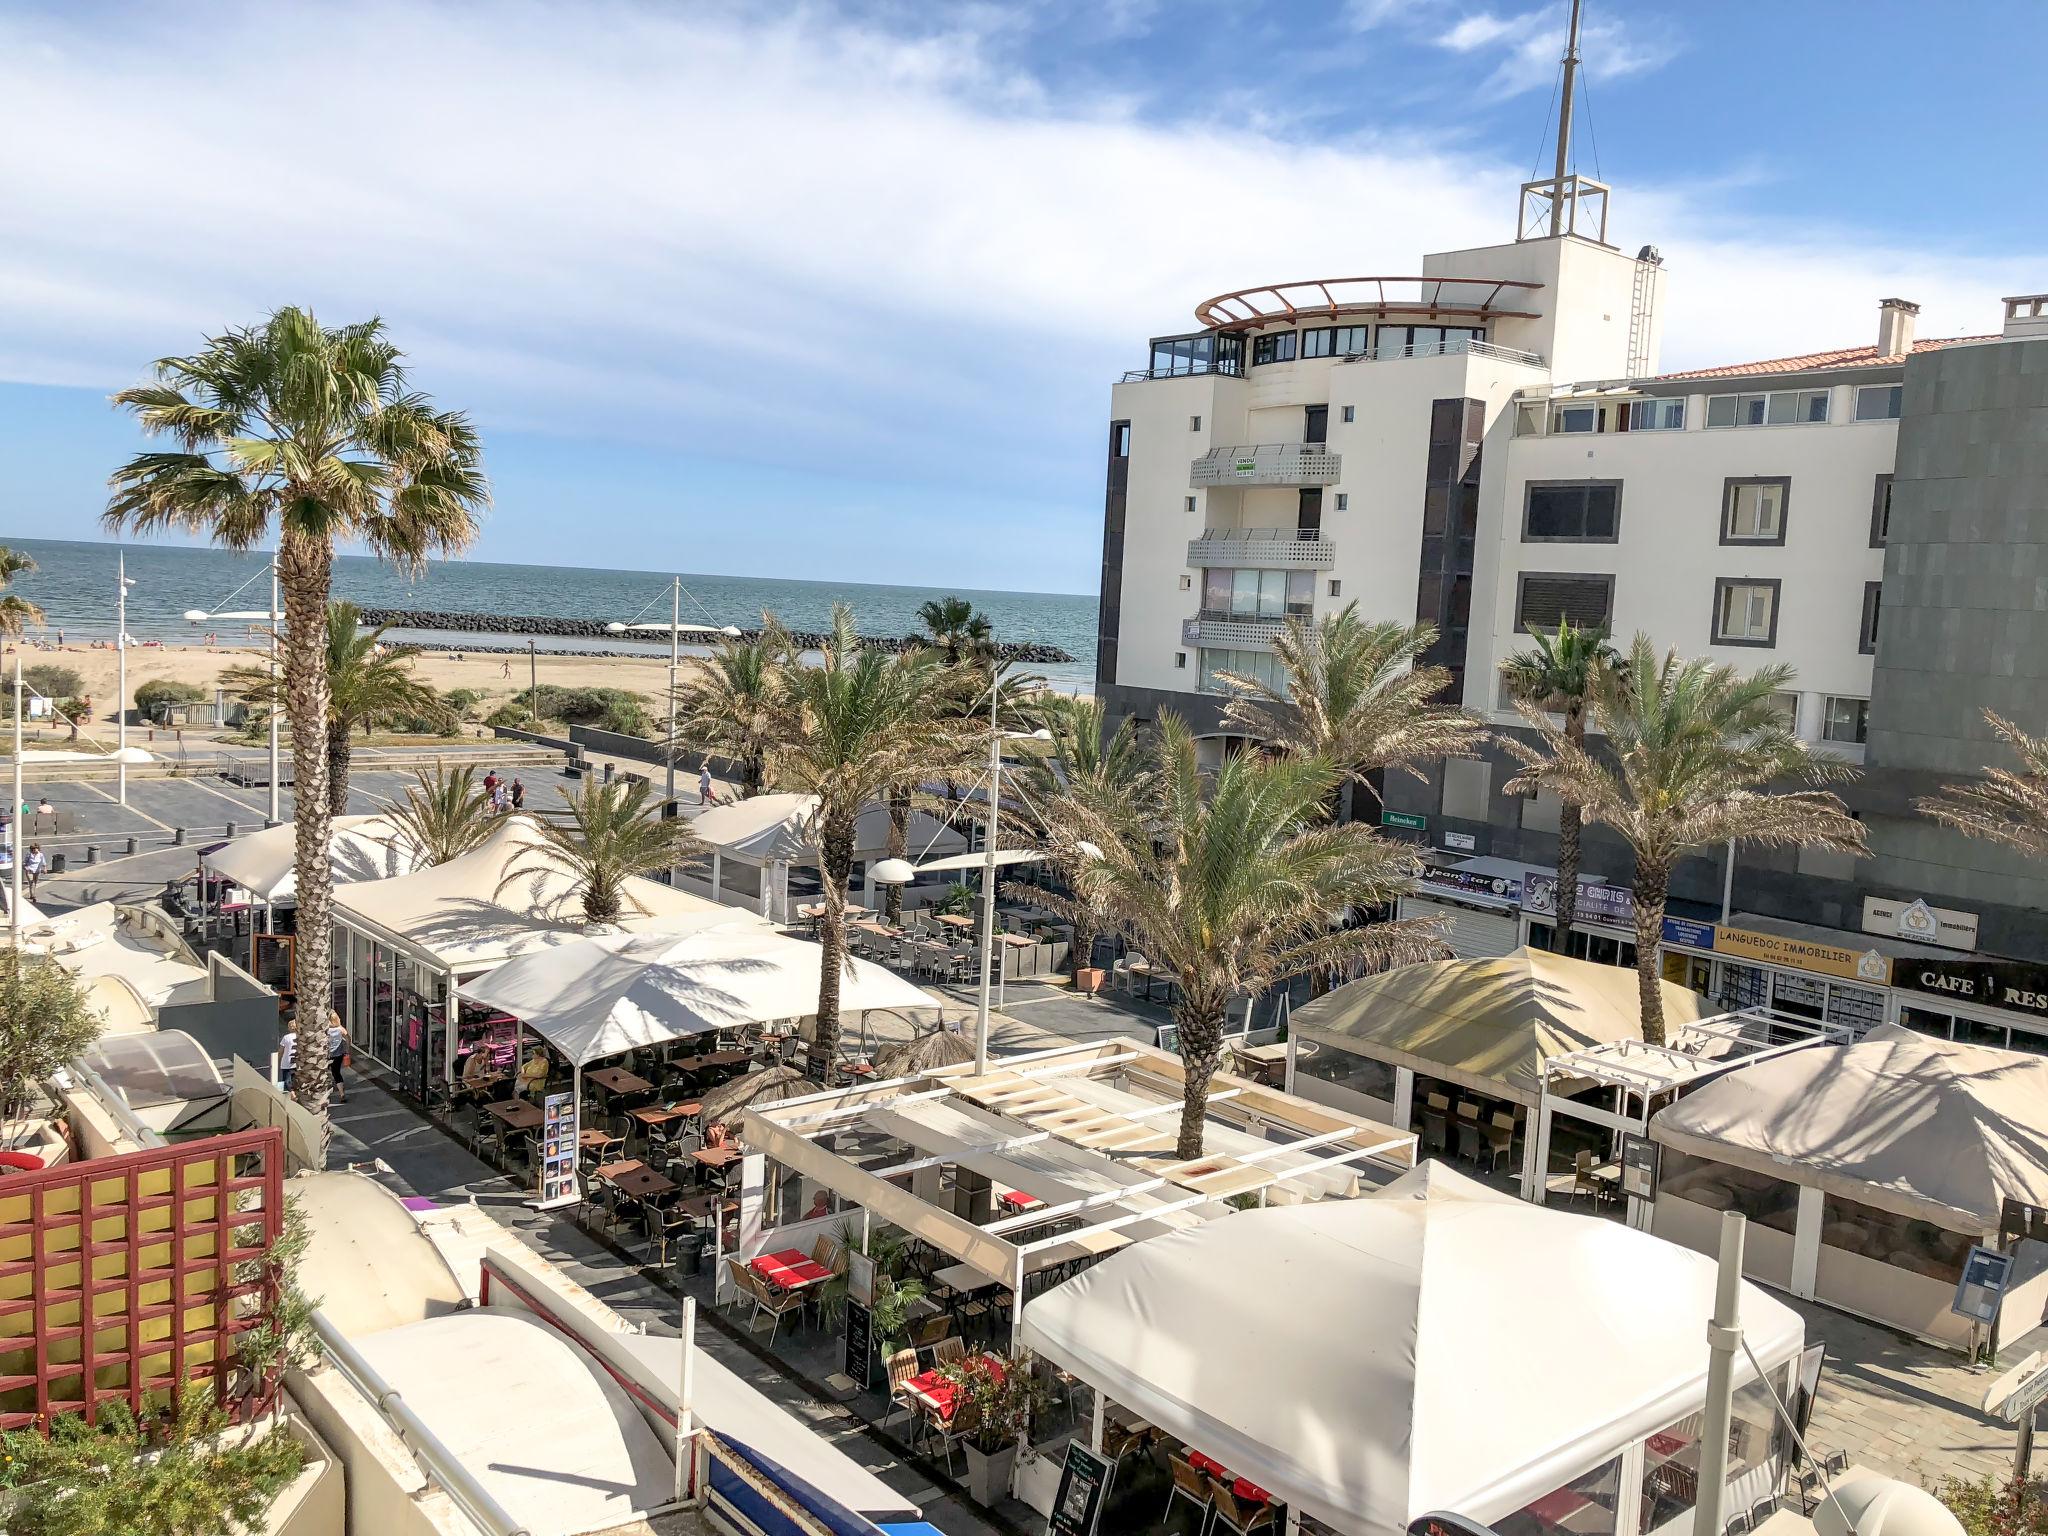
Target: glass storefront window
pixel 1765 1201
pixel 1585 1506
pixel 1347 1069
pixel 1904 1242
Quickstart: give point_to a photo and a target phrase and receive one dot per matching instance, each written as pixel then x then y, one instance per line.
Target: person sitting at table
pixel 718 1136
pixel 476 1070
pixel 533 1073
pixel 821 1206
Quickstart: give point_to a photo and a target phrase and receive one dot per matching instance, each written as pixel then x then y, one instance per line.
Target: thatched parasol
pixel 920 1053
pixel 764 1087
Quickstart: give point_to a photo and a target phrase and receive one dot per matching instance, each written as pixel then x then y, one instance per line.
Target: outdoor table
pixel 618 1081
pixel 712 1059
pixel 940 1395
pixel 518 1114
pixel 635 1180
pixel 588 1140
pixel 717 1157
pixel 651 1115
pixel 879 930
pixel 1017 1200
pixel 860 1069
pixel 965 1279
pixel 790 1270
pixel 700 1206
pixel 952 921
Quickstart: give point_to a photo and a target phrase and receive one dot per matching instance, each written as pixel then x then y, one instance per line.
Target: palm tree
pixel 444 815
pixel 1557 674
pixel 1087 759
pixel 728 704
pixel 311 435
pixel 1691 749
pixel 954 626
pixel 16 613
pixel 367 681
pixel 1233 884
pixel 1356 695
pixel 2004 806
pixel 853 730
pixel 609 833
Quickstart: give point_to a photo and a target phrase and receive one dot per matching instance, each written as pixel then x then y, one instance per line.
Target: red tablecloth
pixel 1208 1464
pixel 942 1394
pixel 1017 1200
pixel 790 1270
pixel 1243 1487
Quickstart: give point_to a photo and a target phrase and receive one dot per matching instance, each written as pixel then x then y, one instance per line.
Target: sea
pixel 74 583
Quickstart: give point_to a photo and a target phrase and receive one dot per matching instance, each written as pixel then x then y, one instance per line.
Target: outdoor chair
pixel 901 1367
pixel 948 1348
pixel 826 1251
pixel 1500 1139
pixel 663 1227
pixel 951 1432
pixel 1241 1515
pixel 1583 1182
pixel 777 1304
pixel 1189 1484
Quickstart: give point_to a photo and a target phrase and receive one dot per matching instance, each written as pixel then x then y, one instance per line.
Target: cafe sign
pixel 1776 949
pixel 1919 922
pixel 2016 985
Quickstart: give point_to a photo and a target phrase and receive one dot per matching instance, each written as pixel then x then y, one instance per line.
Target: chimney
pixel 1895 318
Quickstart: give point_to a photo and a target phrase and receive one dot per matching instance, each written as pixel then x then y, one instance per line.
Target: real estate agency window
pixel 1845 720
pixel 1657 415
pixel 1881 512
pixel 1587 511
pixel 1866 641
pixel 1273 348
pixel 1542 598
pixel 1753 510
pixel 1745 612
pixel 1879 402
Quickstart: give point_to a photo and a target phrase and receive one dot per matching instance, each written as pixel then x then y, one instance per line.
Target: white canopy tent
pixel 362 848
pixel 1442 1346
pixel 611 993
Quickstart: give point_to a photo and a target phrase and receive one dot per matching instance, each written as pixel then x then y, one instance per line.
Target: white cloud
pixel 1482 30
pixel 881 256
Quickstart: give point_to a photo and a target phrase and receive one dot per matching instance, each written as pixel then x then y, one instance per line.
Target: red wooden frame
pixel 117 1275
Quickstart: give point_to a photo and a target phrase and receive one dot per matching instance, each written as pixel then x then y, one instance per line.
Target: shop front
pixel 1796 972
pixel 1478 902
pixel 2002 1003
pixel 1603 924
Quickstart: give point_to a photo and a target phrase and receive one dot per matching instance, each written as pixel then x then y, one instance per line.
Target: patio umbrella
pixel 763 1087
pixel 920 1053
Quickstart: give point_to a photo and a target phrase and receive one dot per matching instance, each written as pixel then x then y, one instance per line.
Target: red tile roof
pixel 1810 362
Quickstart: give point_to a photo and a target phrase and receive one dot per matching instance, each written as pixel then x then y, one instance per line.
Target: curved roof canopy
pixel 761 830
pixel 1930 1128
pixel 1326 298
pixel 1403 1372
pixel 610 993
pixel 362 848
pixel 1488 1024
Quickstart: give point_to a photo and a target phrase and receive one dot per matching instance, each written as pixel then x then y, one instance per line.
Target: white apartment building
pixel 1491 444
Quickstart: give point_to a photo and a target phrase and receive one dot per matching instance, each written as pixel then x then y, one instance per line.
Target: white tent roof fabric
pixel 1931 1128
pixel 469 916
pixel 554 1439
pixel 1441 1346
pixel 362 848
pixel 610 993
pixel 99 941
pixel 366 1257
pixel 761 830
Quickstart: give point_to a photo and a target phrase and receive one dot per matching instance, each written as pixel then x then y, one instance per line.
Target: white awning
pixel 1435 1346
pixel 599 996
pixel 761 830
pixel 362 848
pixel 1004 856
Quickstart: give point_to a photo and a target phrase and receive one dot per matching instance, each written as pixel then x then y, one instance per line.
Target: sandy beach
pixel 486 674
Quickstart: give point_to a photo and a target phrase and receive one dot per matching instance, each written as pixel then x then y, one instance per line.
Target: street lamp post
pixel 121 586
pixel 274 617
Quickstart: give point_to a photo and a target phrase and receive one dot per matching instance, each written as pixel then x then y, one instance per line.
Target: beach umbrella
pixel 763 1087
pixel 920 1053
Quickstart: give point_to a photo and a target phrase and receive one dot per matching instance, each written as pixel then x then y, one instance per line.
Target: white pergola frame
pixel 1640 1074
pixel 787 1133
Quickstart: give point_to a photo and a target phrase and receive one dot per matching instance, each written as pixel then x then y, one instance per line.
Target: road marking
pixel 231 800
pixel 86 784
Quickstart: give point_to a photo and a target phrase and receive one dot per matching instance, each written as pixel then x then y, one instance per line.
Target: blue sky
pixel 838 290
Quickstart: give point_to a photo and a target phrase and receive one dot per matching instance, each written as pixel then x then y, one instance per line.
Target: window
pixel 1905 1242
pixel 1588 1505
pixel 1343 501
pixel 1468 788
pixel 1845 720
pixel 1426 340
pixel 1785 704
pixel 1120 439
pixel 1879 402
pixel 1867 637
pixel 1529 419
pixel 1351 413
pixel 1210 352
pixel 1586 510
pixel 1336 587
pixel 1542 598
pixel 1187 583
pixel 1542 812
pixel 1575 418
pixel 1765 1201
pixel 1188 503
pixel 1753 510
pixel 1194 423
pixel 1315 426
pixel 1276 348
pixel 1881 512
pixel 1745 612
pixel 1180 660
pixel 1656 415
pixel 1348 1069
pixel 1261 666
pixel 1784 408
pixel 1253 594
pixel 1318 343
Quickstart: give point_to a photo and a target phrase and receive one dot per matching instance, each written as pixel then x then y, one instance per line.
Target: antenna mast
pixel 1564 110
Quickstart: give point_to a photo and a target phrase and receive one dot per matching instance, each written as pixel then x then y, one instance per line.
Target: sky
pixel 838 290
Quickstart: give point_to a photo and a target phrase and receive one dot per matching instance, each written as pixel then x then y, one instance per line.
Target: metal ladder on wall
pixel 1639 319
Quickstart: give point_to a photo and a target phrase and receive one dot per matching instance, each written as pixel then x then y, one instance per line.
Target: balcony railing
pixel 1235 369
pixel 1269 549
pixel 1230 631
pixel 1268 464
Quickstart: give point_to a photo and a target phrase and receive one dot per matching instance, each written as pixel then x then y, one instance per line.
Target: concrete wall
pixel 387 1493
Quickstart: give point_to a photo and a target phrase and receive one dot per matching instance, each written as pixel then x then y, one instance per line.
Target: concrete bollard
pixel 178 838
pixel 231 831
pixel 92 853
pixel 134 846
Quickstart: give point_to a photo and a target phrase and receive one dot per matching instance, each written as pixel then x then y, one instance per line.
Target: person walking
pixel 288 1059
pixel 491 782
pixel 518 796
pixel 704 785
pixel 337 1055
pixel 32 868
pixel 501 799
pixel 505 668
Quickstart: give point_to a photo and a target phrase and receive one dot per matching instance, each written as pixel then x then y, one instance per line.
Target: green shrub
pixel 437 721
pixel 607 709
pixel 164 690
pixel 512 715
pixel 54 682
pixel 462 701
pixel 1986 1508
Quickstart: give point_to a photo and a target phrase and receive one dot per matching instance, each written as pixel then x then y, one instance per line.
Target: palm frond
pixel 605 835
pixel 2008 806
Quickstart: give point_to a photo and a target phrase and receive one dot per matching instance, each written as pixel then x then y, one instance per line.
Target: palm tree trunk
pixel 836 854
pixel 899 844
pixel 305 566
pixel 1653 882
pixel 1569 825
pixel 1200 1017
pixel 339 753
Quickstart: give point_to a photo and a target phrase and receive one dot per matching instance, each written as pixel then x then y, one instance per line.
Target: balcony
pixel 1269 549
pixel 1267 464
pixel 1229 631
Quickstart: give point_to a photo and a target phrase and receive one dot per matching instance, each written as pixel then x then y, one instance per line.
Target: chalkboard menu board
pixel 860 1343
pixel 1084 1489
